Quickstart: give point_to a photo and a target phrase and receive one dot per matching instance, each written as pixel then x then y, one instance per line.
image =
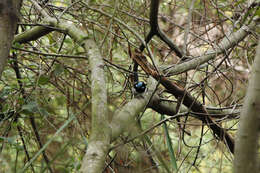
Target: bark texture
pixel 246 152
pixel 94 160
pixel 8 23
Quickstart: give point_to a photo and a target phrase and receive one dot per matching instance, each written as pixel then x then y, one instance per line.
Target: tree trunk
pixel 246 157
pixel 8 23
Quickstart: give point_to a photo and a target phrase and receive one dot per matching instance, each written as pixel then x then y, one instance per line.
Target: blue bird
pixel 140 86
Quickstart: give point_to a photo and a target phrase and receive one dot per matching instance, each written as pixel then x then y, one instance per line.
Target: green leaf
pixel 59 69
pixel 30 107
pixel 47 143
pixel 43 112
pixel 43 80
pixel 18 45
pixel 169 144
pixel 258 12
pixel 5 92
pixel 10 140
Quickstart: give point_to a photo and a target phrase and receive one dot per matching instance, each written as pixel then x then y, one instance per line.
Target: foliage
pixel 55 85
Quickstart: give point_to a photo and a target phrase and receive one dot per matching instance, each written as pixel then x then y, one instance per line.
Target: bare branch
pixel 224 45
pixel 189 101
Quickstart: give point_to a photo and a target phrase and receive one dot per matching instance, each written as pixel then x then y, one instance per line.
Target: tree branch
pixel 223 46
pixel 32 34
pixel 189 101
pixel 98 147
pixel 125 117
pixel 169 108
pixel 246 151
pixel 95 157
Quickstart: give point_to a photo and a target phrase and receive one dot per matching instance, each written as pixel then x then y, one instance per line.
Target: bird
pixel 140 86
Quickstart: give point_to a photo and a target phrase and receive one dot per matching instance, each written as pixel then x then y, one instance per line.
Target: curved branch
pixel 189 101
pixel 155 30
pixel 32 34
pixel 98 147
pixel 169 108
pixel 222 47
pixel 167 40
